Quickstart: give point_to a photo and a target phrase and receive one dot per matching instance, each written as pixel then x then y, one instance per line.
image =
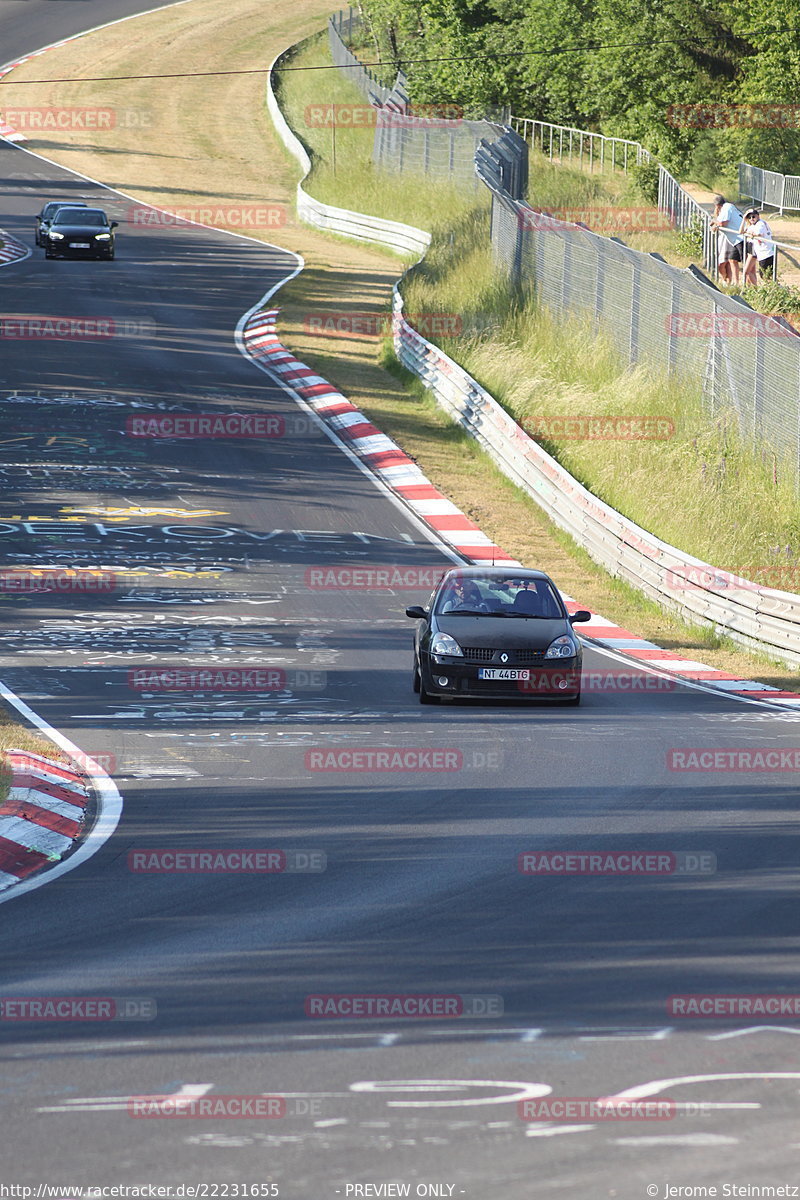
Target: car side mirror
pixel 114 225
pixel 417 612
pixel 580 615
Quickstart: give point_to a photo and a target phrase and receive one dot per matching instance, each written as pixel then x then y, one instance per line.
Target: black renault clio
pixel 500 632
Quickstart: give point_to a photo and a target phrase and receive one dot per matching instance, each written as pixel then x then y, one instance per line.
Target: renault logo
pixel 503 658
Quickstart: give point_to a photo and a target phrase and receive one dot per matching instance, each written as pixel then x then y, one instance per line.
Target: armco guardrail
pixel 760 618
pixel 404 239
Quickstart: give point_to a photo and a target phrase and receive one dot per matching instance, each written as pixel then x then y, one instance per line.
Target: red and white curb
pixel 11 250
pixel 41 818
pixel 396 470
pixel 377 451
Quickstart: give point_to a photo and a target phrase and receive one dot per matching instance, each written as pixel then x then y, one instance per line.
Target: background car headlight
pixel 562 647
pixel 444 644
pixel 102 237
pixel 58 237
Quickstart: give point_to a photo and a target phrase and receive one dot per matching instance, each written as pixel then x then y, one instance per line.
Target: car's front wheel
pixel 425 697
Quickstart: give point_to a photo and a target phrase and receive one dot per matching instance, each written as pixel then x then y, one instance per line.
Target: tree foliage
pixel 632 69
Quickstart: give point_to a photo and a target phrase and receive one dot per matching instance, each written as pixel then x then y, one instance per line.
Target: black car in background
pixel 500 632
pixel 80 233
pixel 46 215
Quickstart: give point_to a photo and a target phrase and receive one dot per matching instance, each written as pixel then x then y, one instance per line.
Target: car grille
pixel 515 657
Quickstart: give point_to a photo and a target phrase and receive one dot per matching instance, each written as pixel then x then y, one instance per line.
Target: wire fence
pixel 440 144
pixel 341 30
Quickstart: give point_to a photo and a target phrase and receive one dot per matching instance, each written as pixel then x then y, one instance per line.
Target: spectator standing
pixel 762 252
pixel 727 221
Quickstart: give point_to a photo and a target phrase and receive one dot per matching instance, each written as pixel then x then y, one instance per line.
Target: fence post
pixel 675 301
pixel 599 291
pixel 566 280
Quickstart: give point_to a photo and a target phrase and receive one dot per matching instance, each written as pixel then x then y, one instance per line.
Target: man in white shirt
pixel 762 253
pixel 727 221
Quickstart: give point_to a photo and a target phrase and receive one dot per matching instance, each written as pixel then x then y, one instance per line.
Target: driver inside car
pixel 463 594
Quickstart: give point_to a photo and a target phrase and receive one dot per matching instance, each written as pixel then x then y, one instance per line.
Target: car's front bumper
pixel 550 679
pixel 94 250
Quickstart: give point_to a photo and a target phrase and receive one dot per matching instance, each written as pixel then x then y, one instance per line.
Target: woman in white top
pixel 762 248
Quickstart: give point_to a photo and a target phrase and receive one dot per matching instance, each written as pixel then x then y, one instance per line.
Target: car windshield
pixel 51 209
pixel 512 596
pixel 80 216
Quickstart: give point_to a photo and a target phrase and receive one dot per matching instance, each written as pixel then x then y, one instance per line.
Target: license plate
pixel 80 246
pixel 502 673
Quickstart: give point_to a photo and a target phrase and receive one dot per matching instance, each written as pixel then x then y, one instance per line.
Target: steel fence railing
pixel 684 211
pixel 567 144
pixel 769 187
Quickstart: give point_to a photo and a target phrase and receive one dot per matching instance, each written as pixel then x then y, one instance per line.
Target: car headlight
pixel 444 644
pixel 102 237
pixel 57 237
pixel 562 647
